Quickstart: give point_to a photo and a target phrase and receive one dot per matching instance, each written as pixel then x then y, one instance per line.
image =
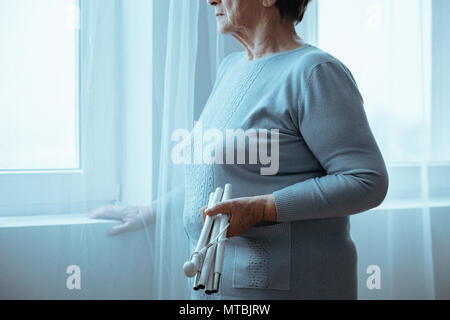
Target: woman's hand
pixel 132 217
pixel 244 212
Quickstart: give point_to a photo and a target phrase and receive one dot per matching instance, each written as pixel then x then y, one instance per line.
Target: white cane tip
pixel 189 269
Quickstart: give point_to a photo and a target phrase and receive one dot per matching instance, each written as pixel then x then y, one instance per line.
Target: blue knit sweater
pixel 330 167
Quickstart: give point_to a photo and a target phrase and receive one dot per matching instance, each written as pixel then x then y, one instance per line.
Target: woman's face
pixel 235 15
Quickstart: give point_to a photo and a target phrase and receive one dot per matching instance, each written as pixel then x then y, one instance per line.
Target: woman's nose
pixel 213 2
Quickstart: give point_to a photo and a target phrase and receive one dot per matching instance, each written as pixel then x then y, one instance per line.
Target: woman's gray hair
pixel 292 9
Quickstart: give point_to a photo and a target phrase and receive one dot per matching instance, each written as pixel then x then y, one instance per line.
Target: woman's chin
pixel 223 28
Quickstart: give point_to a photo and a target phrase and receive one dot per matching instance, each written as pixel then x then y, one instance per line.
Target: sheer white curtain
pixel 178 93
pixel 137 67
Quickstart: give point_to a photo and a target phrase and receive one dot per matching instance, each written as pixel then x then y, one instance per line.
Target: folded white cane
pixel 223 219
pixel 194 265
pixel 206 262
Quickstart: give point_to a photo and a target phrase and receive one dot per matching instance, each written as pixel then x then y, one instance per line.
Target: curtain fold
pixel 171 243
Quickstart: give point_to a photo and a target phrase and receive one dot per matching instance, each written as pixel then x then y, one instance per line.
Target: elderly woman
pixel 289 231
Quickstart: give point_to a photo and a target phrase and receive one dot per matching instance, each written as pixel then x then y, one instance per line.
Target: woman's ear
pixel 268 3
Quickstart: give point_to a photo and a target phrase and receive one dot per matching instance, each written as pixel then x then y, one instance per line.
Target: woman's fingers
pixel 106 212
pixel 244 213
pixel 100 213
pixel 224 207
pixel 213 211
pixel 203 212
pixel 132 217
pixel 230 230
pixel 121 228
pixel 221 207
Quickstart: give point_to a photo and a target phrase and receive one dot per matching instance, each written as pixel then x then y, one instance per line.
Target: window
pixel 38 85
pixel 58 105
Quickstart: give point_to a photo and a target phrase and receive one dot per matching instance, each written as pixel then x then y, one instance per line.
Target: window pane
pixel 38 85
pixel 441 81
pixel 381 43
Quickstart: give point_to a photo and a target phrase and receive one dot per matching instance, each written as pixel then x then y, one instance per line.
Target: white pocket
pixel 263 258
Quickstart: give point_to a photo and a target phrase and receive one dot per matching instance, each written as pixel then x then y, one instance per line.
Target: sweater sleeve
pixel 334 125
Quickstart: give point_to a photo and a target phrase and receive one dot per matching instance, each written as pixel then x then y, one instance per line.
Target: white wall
pixel 34 260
